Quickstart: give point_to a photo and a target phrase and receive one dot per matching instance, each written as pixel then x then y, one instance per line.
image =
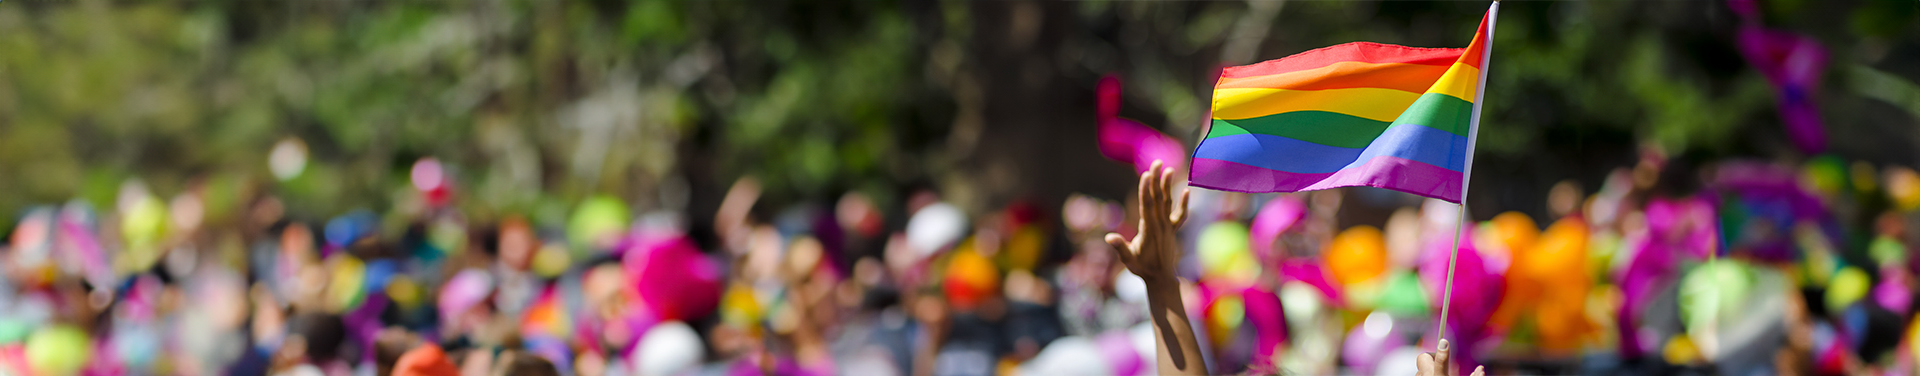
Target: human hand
pixel 1154 251
pixel 1436 363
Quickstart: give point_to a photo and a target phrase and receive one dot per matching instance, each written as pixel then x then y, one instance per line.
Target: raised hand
pixel 1153 252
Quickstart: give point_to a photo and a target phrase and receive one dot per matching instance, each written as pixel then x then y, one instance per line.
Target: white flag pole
pixel 1473 135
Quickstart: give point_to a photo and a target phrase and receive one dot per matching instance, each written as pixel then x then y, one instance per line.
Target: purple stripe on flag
pixel 1382 172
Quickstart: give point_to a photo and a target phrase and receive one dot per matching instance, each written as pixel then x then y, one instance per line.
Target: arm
pixel 1152 255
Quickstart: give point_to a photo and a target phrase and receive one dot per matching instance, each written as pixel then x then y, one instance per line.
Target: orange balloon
pixel 1560 258
pixel 970 279
pixel 1558 264
pixel 1513 233
pixel 1357 255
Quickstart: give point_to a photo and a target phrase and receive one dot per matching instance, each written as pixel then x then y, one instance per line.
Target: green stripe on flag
pixel 1434 110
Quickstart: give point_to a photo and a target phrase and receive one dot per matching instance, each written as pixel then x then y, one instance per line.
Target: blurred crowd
pixel 1734 267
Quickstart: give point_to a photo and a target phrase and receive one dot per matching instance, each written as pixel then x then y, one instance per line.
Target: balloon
pixel 1399 362
pixel 1714 293
pixel 347 288
pixel 1024 249
pixel 674 279
pixel 1118 351
pixel 1279 214
pixel 1826 173
pixel 1370 342
pixel 1848 286
pixel 1557 265
pixel 466 288
pixel 1893 292
pixel 403 291
pixel 342 231
pixel 59 350
pixel 142 227
pixel 137 346
pixel 1129 287
pixel 1904 186
pixel 935 227
pixel 1680 350
pixel 288 159
pixel 669 348
pixel 1510 236
pixel 740 308
pixel 1886 250
pixel 1077 355
pixel 1403 296
pixel 1358 254
pixel 1224 316
pixel 596 223
pixel 551 260
pixel 970 279
pixel 1224 254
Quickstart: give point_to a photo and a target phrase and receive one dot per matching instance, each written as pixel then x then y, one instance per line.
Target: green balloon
pixel 59 350
pixel 1715 291
pixel 1403 296
pixel 1887 251
pixel 595 220
pixel 1223 248
pixel 145 222
pixel 14 330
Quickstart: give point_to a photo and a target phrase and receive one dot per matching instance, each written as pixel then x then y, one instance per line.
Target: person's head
pixel 521 363
pixel 389 346
pixel 319 334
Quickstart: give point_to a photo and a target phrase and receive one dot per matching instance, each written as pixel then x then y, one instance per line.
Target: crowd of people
pixel 1737 267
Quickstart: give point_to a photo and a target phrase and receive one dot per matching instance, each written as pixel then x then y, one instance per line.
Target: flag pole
pixel 1473 135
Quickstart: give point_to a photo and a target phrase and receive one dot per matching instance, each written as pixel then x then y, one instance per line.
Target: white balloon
pixel 1402 361
pixel 1073 355
pixel 288 158
pixel 935 227
pixel 1130 288
pixel 669 348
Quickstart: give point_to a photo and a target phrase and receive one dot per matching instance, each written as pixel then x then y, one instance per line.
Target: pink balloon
pixel 1120 354
pixel 675 280
pixel 1279 214
pixel 1893 293
pixel 464 290
pixel 1476 293
pixel 1366 345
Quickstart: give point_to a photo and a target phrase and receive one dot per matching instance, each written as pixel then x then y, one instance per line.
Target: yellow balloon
pixel 1904 185
pixel 1357 255
pixel 403 291
pixel 348 287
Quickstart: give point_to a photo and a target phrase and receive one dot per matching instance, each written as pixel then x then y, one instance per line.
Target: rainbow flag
pixel 1355 114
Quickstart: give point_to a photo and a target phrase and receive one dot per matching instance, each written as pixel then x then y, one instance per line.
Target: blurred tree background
pixel 534 105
